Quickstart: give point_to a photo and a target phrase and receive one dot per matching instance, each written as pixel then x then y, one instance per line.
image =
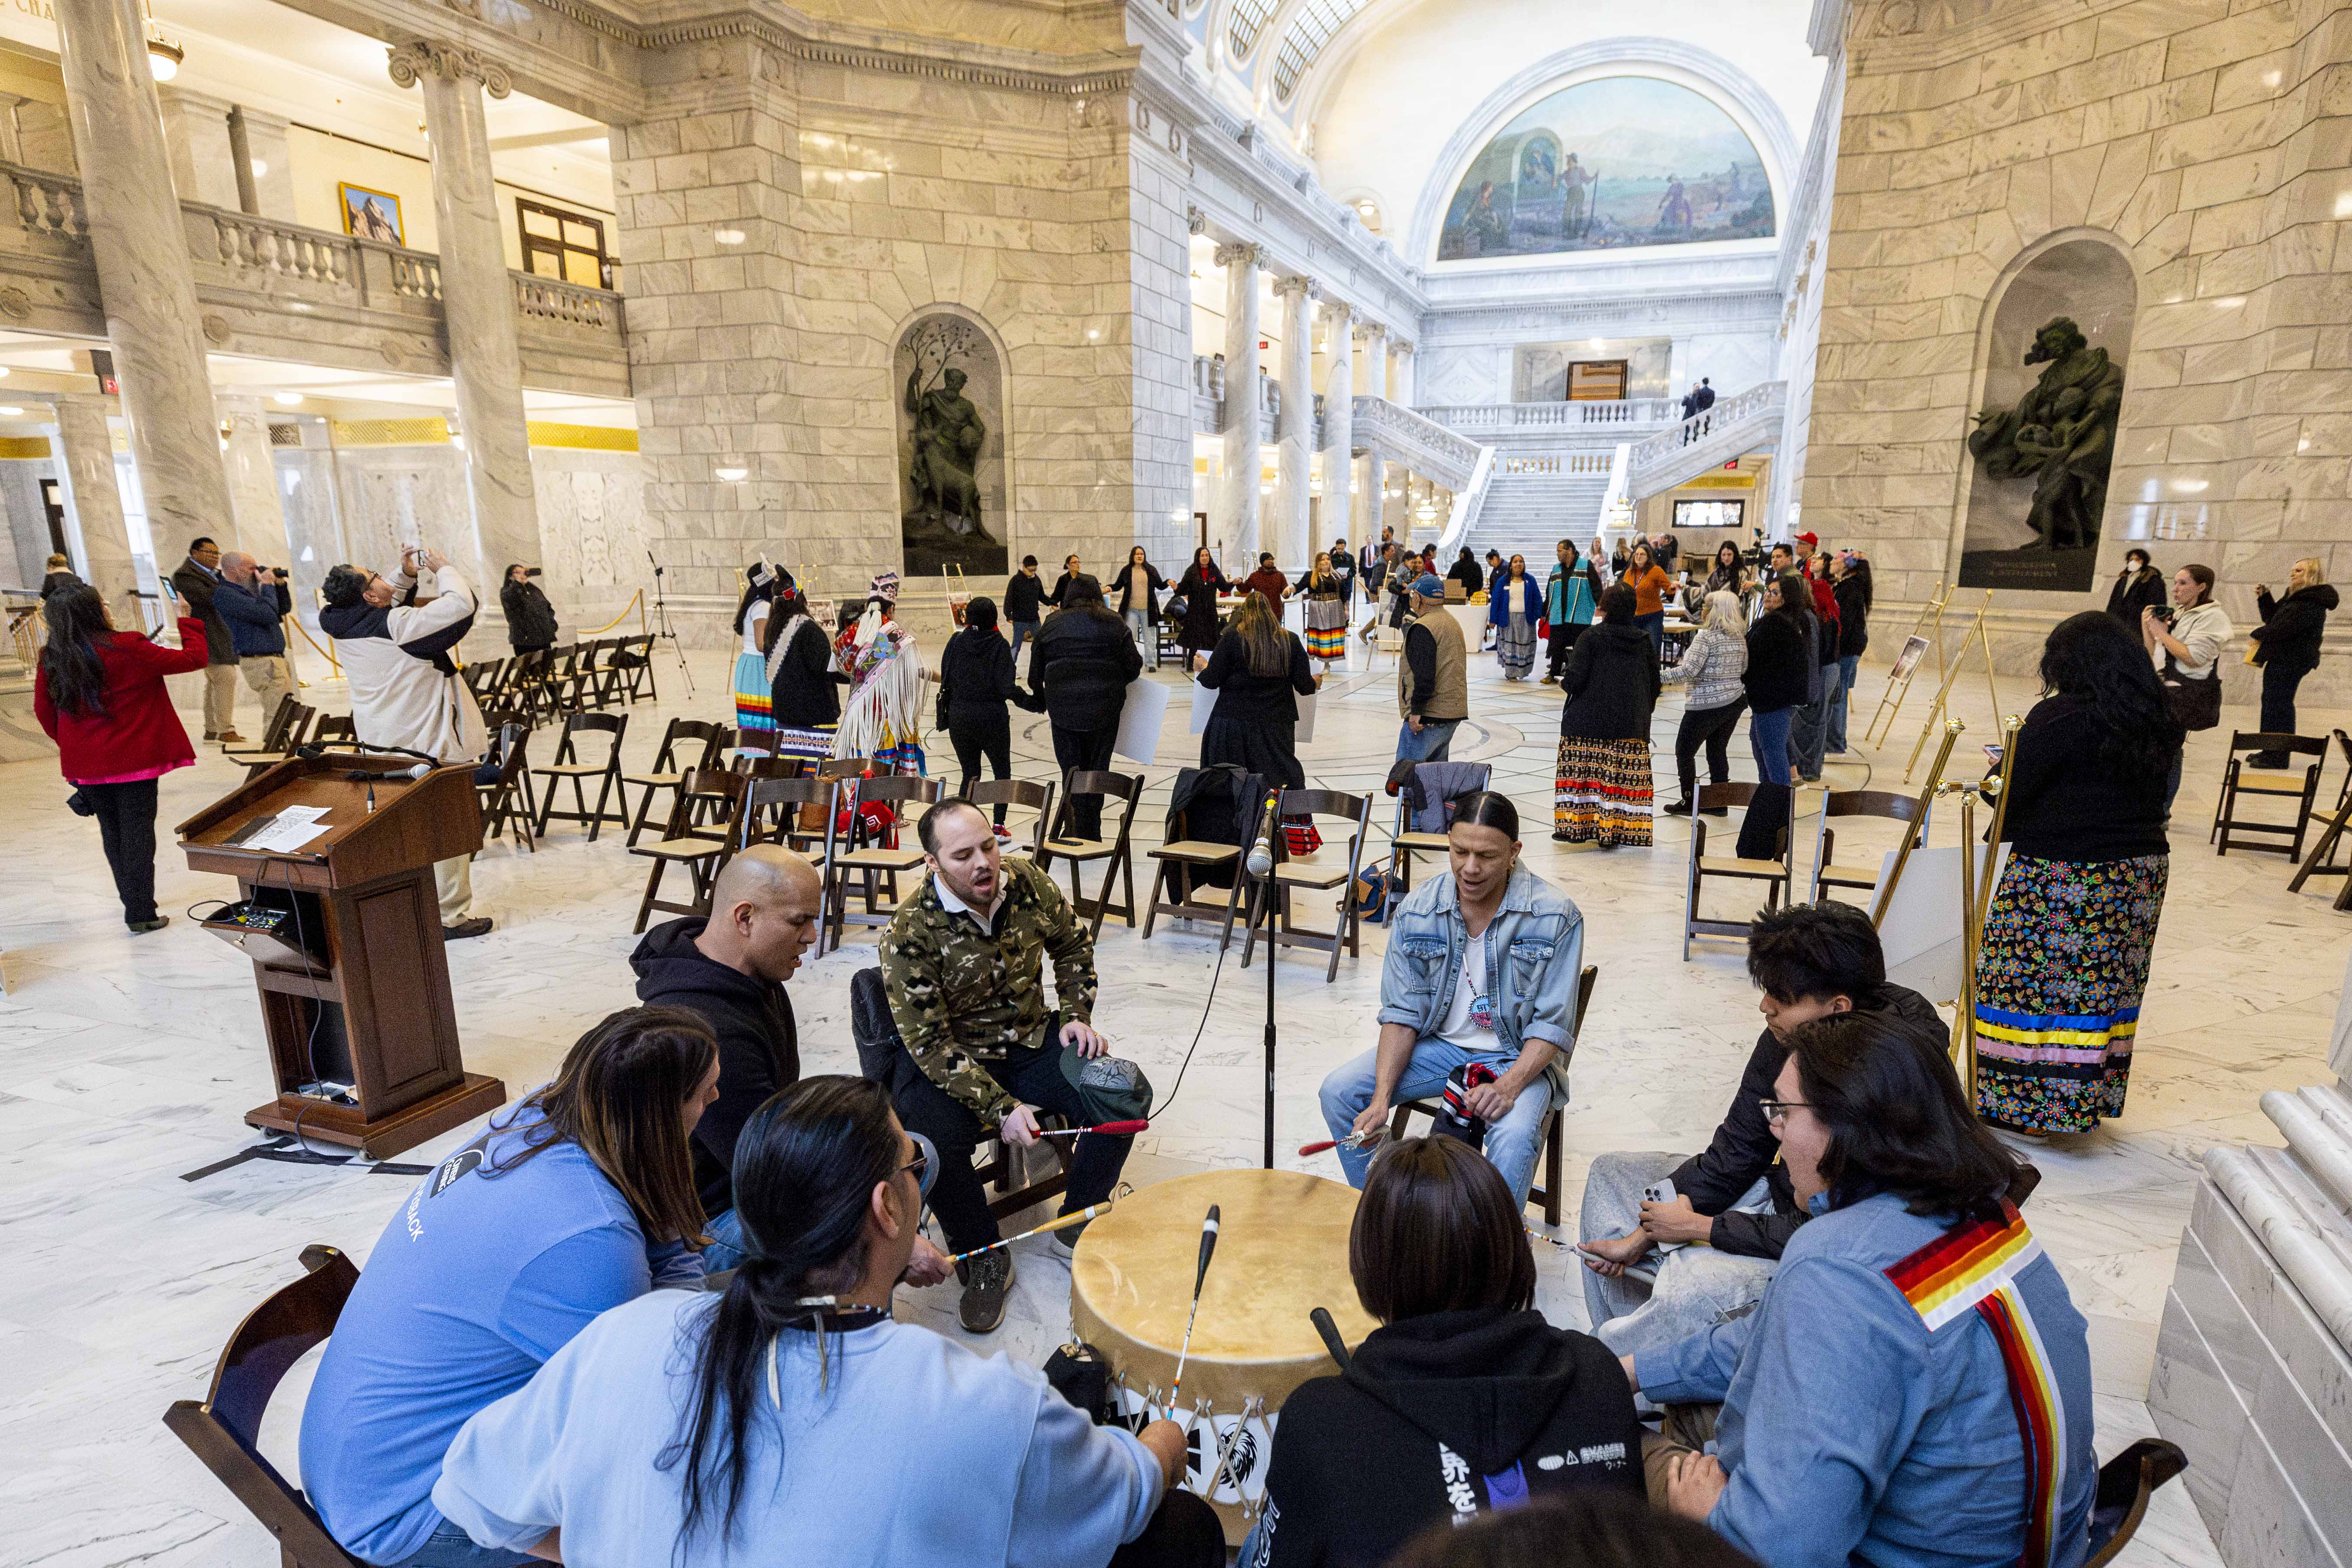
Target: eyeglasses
pixel 916 1167
pixel 1776 1111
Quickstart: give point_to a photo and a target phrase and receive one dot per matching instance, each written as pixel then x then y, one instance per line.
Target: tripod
pixel 1259 865
pixel 662 630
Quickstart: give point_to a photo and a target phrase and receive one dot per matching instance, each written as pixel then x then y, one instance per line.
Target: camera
pixel 530 570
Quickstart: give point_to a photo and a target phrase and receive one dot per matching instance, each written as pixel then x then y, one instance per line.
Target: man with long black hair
pixel 1645 1283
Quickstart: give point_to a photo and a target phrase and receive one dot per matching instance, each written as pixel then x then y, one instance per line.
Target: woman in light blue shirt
pixel 576 1201
pixel 790 1420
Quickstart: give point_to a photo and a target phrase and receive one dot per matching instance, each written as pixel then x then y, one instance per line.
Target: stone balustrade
pixel 1735 421
pixel 281 290
pixel 1616 415
pixel 1420 443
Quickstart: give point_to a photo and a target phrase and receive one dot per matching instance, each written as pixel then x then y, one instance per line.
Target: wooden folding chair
pixel 1858 803
pixel 482 677
pixel 1549 1195
pixel 1316 876
pixel 1020 794
pixel 507 799
pixel 1777 876
pixel 671 763
pixel 1176 863
pixel 773 804
pixel 638 677
pixel 559 678
pixel 273 732
pixel 297 727
pixel 2321 861
pixel 874 863
pixel 2239 780
pixel 568 766
pixel 699 849
pixel 837 773
pixel 1406 843
pixel 2119 1502
pixel 1116 853
pixel 525 686
pixel 332 727
pixel 225 1430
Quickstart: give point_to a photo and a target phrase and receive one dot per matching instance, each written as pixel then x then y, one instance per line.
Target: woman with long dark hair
pixel 2186 648
pixel 1462 1365
pixel 1602 789
pixel 1916 1316
pixel 790 1419
pixel 1324 593
pixel 1259 672
pixel 530 619
pixel 1729 577
pixel 804 685
pixel 2065 949
pixel 1853 595
pixel 1139 587
pixel 1079 667
pixel 752 697
pixel 1650 583
pixel 1514 609
pixel 975 684
pixel 1809 733
pixel 98 693
pixel 579 1199
pixel 1781 673
pixel 1199 588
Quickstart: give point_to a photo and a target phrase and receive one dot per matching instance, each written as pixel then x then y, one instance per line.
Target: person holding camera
pixel 530 619
pixel 2185 645
pixel 253 600
pixel 404 690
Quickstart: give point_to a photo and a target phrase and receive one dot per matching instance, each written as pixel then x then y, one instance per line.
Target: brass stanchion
pixel 1977 886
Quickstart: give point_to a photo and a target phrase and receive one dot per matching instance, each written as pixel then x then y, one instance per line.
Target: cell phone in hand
pixel 1993 754
pixel 1659 1192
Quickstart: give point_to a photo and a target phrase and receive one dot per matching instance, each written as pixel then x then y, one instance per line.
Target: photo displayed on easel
pixel 1914 650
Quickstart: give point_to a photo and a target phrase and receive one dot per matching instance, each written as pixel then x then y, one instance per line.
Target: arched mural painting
pixel 1609 164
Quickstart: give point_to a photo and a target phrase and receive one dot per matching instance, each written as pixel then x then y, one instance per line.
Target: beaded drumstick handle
pixel 1208 1249
pixel 1064 1223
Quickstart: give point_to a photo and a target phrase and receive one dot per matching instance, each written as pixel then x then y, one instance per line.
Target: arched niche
pixel 948 386
pixel 2048 402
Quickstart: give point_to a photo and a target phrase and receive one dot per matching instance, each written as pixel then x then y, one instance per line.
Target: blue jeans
pixel 1810 731
pixel 1768 739
pixel 1433 744
pixel 1022 632
pixel 1849 666
pixel 450 1547
pixel 1140 623
pixel 725 1248
pixel 1510 1143
pixel 1654 622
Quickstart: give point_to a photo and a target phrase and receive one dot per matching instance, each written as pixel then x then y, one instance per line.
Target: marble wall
pixel 2205 139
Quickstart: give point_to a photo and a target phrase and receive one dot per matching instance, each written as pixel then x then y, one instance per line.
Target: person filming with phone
pixel 404 690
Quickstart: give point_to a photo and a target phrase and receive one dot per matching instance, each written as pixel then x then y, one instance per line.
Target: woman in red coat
pixel 99 694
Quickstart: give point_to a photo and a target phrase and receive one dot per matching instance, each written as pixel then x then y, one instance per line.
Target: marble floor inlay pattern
pixel 125 1062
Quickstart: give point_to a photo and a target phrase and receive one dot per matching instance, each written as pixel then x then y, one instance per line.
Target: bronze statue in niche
pixel 2061 434
pixel 946 438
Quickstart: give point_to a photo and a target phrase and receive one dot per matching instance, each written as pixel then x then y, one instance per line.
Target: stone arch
pixel 2088 275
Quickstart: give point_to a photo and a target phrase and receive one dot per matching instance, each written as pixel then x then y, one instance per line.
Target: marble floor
pixel 126 1063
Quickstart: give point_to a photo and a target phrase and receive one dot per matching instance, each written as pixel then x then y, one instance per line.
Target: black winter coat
pixel 1079 667
pixel 1022 596
pixel 530 619
pixel 759 1045
pixel 1853 617
pixel 975 679
pixel 2288 638
pixel 1360 1461
pixel 1201 604
pixel 2133 593
pixel 1776 676
pixel 1611 681
pixel 806 692
pixel 1153 581
pixel 1743 1147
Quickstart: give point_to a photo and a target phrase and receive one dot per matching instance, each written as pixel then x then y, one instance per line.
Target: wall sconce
pixel 731 476
pixel 164 54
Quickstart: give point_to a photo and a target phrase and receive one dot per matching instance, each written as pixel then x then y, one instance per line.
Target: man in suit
pixel 196 578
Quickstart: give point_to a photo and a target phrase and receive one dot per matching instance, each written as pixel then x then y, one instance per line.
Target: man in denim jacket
pixel 1481 967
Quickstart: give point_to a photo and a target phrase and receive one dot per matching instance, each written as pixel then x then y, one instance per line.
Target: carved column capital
pixel 1293 284
pixel 1195 221
pixel 1367 330
pixel 410 62
pixel 1240 253
pixel 1336 313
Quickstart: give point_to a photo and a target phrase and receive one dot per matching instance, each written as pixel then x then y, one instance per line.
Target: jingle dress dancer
pixel 884 716
pixel 2064 954
pixel 752 700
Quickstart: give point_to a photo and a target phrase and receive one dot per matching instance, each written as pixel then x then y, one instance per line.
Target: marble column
pixel 144 279
pixel 1339 425
pixel 196 136
pixel 1293 544
pixel 1372 505
pixel 253 482
pixel 1401 377
pixel 1245 415
pixel 478 302
pixel 84 448
pixel 265 174
pixel 1375 379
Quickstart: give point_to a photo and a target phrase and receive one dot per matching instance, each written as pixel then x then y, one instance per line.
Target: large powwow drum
pixel 1282 1252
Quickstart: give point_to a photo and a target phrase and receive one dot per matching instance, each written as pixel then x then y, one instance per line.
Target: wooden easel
pixel 1977 633
pixel 2315 864
pixel 1890 701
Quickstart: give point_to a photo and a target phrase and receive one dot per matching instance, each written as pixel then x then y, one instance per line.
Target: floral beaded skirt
pixel 2058 979
pixel 1602 792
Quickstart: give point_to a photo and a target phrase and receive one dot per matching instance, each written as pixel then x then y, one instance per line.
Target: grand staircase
pixel 1532 502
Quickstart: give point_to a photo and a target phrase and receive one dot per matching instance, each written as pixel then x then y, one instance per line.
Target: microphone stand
pixel 1273 951
pixel 662 630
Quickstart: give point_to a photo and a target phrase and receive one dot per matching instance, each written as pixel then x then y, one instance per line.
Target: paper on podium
pixel 1140 721
pixel 1921 932
pixel 1204 702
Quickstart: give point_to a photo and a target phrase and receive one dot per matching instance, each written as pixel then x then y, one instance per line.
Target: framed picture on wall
pixel 1597 380
pixel 1707 514
pixel 371 214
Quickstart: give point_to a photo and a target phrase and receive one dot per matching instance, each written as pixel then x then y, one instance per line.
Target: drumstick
pixel 1553 1240
pixel 1321 1318
pixel 1354 1141
pixel 1108 1128
pixel 1208 1247
pixel 1064 1223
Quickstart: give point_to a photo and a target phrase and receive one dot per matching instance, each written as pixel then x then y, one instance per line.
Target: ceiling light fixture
pixel 164 54
pixel 260 168
pixel 289 398
pixel 11 413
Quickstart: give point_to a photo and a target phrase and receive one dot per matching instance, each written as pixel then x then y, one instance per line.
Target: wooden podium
pixel 354 984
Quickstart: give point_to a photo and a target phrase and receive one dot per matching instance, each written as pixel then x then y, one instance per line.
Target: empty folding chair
pixel 1116 853
pixel 687 744
pixel 568 766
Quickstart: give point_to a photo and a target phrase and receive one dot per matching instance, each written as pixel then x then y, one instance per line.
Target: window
pixel 1317 22
pixel 563 245
pixel 1249 19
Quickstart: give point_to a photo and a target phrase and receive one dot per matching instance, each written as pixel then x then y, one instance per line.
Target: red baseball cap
pixel 1810 538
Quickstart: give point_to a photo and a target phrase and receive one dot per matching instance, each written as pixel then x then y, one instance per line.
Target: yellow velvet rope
pixel 328 652
pixel 635 600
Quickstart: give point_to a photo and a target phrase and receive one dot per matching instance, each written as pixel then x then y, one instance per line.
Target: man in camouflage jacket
pixel 963 967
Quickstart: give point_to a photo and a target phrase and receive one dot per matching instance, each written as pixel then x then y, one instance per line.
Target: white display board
pixel 1921 932
pixel 1140 721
